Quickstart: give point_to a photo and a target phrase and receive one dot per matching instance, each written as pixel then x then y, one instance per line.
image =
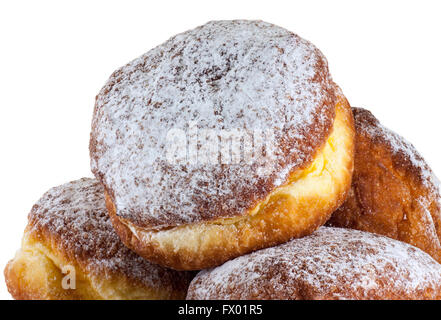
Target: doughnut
pixel 71 252
pixel 225 139
pixel 330 264
pixel 394 192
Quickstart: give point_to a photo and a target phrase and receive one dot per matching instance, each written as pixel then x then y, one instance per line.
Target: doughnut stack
pixel 229 150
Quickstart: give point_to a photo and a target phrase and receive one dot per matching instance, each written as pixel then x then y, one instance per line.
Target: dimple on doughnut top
pixel 331 263
pixel 223 76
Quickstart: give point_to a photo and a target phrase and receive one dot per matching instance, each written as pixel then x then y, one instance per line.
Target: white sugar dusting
pixel 76 214
pixel 399 145
pixel 329 259
pixel 224 75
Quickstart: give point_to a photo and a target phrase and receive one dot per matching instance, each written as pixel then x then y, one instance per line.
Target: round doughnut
pixel 205 198
pixel 394 192
pixel 330 264
pixel 70 251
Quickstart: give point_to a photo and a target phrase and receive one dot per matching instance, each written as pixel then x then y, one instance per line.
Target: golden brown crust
pixel 293 210
pixel 36 273
pixel 332 263
pixel 69 227
pixel 394 192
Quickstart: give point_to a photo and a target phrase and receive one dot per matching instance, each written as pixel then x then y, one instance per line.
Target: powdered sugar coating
pixel 368 125
pixel 406 156
pixel 332 263
pixel 394 192
pixel 224 75
pixel 75 217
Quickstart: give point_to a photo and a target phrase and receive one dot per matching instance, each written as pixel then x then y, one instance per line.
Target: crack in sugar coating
pixel 75 217
pixel 332 263
pixel 224 75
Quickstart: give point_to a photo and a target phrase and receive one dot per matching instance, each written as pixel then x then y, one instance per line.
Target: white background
pixel 55 56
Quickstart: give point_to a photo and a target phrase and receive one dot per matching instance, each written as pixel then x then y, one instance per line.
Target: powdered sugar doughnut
pixel 203 198
pixel 332 263
pixel 394 192
pixel 69 232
